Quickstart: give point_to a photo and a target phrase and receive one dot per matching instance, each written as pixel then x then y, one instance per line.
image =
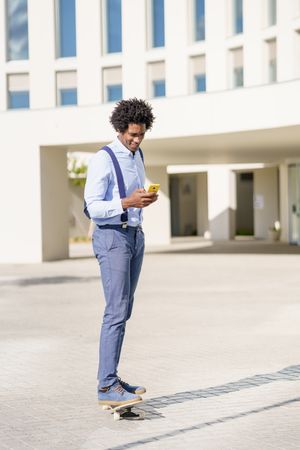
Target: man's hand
pixel 139 199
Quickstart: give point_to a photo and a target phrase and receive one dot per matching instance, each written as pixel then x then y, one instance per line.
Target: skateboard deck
pixel 125 411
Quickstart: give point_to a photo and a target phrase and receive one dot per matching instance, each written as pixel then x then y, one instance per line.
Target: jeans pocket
pixel 102 241
pixel 109 239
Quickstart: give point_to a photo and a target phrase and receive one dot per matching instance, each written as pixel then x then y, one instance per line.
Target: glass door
pixel 294 204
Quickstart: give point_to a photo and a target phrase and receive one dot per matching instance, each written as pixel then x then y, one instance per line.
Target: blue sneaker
pixel 116 395
pixel 132 389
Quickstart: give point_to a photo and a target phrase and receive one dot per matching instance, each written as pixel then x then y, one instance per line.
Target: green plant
pixel 77 171
pixel 76 239
pixel 244 232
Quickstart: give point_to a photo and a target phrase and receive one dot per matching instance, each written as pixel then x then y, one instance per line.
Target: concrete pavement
pixel 215 337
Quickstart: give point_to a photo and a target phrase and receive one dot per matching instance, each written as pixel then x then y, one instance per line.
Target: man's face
pixel 133 136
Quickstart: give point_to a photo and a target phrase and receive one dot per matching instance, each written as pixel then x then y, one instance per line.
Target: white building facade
pixel 223 77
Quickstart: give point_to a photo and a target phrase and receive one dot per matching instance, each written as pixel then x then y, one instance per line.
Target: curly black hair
pixel 131 111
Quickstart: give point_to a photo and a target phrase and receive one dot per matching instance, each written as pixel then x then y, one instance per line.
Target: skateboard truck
pixel 125 411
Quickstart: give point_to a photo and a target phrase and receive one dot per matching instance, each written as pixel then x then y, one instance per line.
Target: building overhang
pixel 257 124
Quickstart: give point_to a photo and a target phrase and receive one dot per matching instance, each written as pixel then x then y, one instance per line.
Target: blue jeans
pixel 120 255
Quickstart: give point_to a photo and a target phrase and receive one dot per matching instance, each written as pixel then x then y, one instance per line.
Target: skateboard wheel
pixel 116 416
pixel 105 407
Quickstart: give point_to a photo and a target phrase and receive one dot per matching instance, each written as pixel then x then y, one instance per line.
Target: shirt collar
pixel 121 147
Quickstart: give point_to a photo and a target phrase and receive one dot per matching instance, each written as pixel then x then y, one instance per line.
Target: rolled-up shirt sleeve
pixel 99 188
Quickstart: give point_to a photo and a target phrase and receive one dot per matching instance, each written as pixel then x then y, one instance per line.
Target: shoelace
pixel 122 382
pixel 118 388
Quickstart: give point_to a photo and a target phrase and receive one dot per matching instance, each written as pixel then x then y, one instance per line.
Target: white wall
pixel 266 190
pixel 156 223
pixel 79 224
pixel 285 40
pixel 202 205
pixel 176 37
pixel 20 229
pixel 180 46
pixel 134 45
pixel 89 75
pixel 221 111
pixel 284 202
pixel 42 54
pixel 55 201
pixel 221 202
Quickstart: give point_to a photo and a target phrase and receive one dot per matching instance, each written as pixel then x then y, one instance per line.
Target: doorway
pixel 183 196
pixel 244 207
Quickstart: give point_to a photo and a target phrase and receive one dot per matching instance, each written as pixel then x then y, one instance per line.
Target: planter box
pixel 274 235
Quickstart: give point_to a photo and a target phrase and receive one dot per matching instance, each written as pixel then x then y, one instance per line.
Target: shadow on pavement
pixel 202 425
pixel 229 247
pixel 150 407
pixel 199 245
pixel 288 373
pixel 24 282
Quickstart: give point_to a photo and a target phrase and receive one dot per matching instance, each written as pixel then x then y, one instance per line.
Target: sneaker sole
pixel 111 403
pixel 140 391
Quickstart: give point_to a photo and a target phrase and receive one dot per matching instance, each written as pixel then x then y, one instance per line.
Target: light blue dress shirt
pixel 101 189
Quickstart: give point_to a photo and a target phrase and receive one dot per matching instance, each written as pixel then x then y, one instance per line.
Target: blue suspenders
pixel 120 180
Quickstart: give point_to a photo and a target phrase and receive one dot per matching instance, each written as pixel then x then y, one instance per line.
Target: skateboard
pixel 125 411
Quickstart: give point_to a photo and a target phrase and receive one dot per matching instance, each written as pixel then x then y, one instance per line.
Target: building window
pixel 66 15
pixel 158 23
pixel 237 16
pixel 238 68
pixel 19 100
pixel 18 91
pixel 272 61
pixel 159 88
pixel 272 12
pixel 199 13
pixel 112 84
pixel 66 83
pixel 156 79
pixel 114 92
pixel 113 26
pixel 238 80
pixel 68 96
pixel 200 83
pixel 198 73
pixel 17 30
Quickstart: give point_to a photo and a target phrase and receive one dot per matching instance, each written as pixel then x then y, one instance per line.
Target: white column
pixel 176 34
pixel 284 202
pixel 202 206
pixel 266 205
pixel 20 237
pixel 134 46
pixel 34 201
pixel 55 203
pixel 157 223
pixel 2 57
pixel 41 35
pixel 88 32
pixel 285 41
pixel 253 47
pixel 221 203
pixel 216 53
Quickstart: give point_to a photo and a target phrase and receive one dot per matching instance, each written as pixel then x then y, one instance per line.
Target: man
pixel 119 245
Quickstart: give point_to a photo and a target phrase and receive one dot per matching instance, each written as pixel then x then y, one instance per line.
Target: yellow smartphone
pixel 153 188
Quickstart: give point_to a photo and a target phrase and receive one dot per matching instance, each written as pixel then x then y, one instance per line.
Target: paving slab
pixel 215 338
